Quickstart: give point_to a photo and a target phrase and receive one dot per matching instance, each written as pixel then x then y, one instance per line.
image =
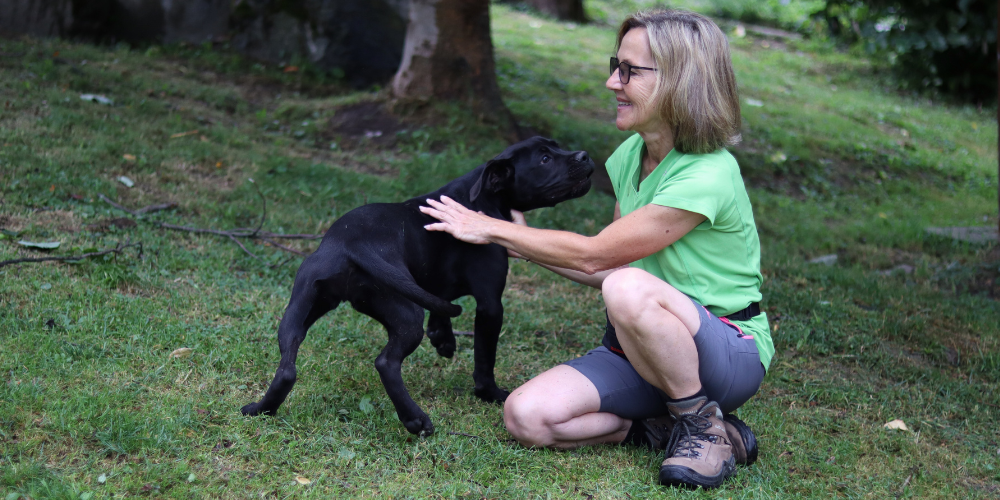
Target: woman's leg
pixel 561 409
pixel 656 325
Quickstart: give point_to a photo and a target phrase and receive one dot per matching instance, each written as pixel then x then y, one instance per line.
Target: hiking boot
pixel 743 439
pixel 657 431
pixel 699 452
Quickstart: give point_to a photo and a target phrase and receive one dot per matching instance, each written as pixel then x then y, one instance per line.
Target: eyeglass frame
pixel 618 65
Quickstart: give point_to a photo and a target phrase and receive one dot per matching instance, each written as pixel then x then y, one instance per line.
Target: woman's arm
pixel 627 239
pixel 595 280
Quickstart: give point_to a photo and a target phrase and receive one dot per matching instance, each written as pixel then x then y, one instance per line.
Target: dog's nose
pixel 581 156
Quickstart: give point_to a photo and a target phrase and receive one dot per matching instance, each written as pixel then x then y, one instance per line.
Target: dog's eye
pixel 546 158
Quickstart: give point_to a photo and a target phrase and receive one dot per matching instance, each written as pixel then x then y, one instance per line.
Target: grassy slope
pixel 95 395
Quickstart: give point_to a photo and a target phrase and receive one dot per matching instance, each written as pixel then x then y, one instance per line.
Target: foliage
pixel 944 45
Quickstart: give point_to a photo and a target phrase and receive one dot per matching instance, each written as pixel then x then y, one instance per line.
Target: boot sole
pixel 674 475
pixel 747 436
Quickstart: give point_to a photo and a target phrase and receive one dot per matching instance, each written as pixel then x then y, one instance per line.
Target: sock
pixel 700 393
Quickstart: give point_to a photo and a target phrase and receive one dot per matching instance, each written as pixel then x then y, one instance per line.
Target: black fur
pixel 380 258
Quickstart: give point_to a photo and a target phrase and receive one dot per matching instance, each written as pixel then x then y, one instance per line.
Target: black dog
pixel 380 258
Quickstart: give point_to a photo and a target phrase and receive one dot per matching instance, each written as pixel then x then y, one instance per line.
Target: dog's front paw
pixel 420 425
pixel 445 349
pixel 492 394
pixel 253 409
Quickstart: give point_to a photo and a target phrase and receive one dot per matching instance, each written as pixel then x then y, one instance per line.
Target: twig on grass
pixel 464 434
pixel 233 235
pixel 902 489
pixel 243 247
pixel 144 210
pixel 116 250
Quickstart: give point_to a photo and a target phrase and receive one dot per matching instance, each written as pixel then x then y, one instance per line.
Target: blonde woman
pixel 679 268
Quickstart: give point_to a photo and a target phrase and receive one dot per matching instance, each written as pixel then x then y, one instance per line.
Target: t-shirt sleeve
pixel 700 186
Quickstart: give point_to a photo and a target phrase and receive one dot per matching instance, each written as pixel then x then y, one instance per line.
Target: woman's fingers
pixel 457 220
pixel 518 218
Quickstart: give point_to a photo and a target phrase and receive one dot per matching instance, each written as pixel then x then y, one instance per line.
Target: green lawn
pixel 905 325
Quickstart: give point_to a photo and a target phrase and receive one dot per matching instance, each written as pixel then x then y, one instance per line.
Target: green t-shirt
pixel 718 262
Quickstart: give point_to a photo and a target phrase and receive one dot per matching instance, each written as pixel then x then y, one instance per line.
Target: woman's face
pixel 636 111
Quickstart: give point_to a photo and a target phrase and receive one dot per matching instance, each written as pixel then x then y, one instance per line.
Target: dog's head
pixel 537 173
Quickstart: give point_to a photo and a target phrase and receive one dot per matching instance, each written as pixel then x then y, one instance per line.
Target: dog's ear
pixel 497 175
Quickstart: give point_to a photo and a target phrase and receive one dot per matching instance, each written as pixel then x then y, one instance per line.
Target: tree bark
pixel 448 55
pixel 566 10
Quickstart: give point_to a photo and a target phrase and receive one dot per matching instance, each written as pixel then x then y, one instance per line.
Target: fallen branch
pixel 233 235
pixel 116 250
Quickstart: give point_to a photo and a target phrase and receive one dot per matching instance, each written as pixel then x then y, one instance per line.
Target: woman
pixel 680 255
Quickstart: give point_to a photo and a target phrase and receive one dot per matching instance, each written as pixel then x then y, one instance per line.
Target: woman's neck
pixel 658 146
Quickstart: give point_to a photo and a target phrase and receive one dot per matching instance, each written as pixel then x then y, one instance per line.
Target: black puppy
pixel 380 258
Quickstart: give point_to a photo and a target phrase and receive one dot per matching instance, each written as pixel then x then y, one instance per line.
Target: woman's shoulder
pixel 720 158
pixel 719 165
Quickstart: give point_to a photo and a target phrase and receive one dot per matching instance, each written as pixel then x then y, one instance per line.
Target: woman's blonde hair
pixel 695 92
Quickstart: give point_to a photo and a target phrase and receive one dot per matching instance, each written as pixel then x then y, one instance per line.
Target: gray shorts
pixel 728 365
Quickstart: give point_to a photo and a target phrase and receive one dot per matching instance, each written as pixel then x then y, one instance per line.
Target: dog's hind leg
pixel 441 335
pixel 308 303
pixel 404 322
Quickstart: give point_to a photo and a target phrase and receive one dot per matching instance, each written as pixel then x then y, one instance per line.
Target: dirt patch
pixel 217 178
pixel 106 224
pixel 11 223
pixel 58 220
pixel 367 123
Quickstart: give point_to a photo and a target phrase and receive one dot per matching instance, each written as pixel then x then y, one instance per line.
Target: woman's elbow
pixel 595 265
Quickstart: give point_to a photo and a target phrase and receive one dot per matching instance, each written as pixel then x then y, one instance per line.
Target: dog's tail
pixel 403 283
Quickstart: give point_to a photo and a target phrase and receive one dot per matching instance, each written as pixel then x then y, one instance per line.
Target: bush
pixel 944 45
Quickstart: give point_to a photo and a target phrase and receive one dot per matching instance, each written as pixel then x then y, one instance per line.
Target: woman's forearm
pixel 595 280
pixel 564 250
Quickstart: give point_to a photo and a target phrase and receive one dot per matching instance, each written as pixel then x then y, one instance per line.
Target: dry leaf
pixel 183 352
pixel 302 480
pixel 183 134
pixel 896 424
pixel 128 157
pixel 291 69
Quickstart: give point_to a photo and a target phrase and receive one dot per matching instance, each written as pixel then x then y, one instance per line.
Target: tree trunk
pixel 566 10
pixel 448 55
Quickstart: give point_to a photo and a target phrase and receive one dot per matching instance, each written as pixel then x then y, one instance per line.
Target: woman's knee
pixel 525 417
pixel 632 295
pixel 626 289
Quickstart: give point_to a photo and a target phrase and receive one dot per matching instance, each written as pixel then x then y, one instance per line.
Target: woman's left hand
pixel 460 222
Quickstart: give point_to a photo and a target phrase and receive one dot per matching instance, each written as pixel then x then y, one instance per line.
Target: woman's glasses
pixel 624 70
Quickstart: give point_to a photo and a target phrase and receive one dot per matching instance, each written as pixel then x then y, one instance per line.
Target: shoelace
pixel 659 430
pixel 688 430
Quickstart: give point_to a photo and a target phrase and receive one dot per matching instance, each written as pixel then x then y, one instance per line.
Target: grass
pixel 93 406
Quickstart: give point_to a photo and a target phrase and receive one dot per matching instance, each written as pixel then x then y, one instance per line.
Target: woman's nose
pixel 613 82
